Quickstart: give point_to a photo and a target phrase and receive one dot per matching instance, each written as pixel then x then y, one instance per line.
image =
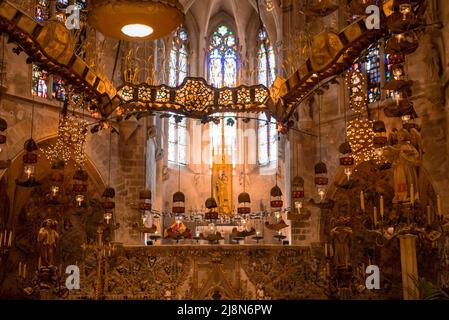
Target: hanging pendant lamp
pixel 136 20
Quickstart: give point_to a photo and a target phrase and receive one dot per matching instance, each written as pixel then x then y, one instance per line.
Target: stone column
pixel 409 266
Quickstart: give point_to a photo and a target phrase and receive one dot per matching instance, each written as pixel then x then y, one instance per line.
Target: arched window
pixel 178 57
pixel 266 73
pixel 267 140
pixel 223 70
pixel 266 63
pixel 177 140
pixel 177 126
pixel 223 61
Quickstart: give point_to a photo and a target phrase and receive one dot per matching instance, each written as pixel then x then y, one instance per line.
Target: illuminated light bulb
pixel 257 233
pixel 399 37
pixel 406 118
pixel 321 193
pixel 29 171
pixel 348 172
pixel 54 190
pixel 298 206
pixel 379 152
pixel 137 30
pixel 278 215
pixel 79 199
pixel 108 217
pixel 405 9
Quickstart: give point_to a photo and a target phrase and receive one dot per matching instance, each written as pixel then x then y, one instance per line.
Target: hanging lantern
pixel 297 188
pixel 145 204
pixel 380 137
pixel 346 158
pixel 4 163
pixel 79 188
pixel 179 203
pixel 133 20
pixel 244 206
pixel 211 204
pixel 276 198
pixel 321 179
pixel 108 203
pixel 29 165
pixel 57 179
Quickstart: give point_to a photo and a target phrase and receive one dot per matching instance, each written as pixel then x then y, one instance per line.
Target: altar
pixel 205 272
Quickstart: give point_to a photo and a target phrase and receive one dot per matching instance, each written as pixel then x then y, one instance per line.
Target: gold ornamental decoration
pixel 111 16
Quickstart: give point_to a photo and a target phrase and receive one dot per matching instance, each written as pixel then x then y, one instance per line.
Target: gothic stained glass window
pixel 177 140
pixel 223 70
pixel 267 140
pixel 40 82
pixel 223 61
pixel 266 63
pixel 373 74
pixel 42 10
pixel 58 92
pixel 179 58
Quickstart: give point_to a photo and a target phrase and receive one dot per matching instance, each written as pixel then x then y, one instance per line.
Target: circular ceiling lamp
pixel 136 20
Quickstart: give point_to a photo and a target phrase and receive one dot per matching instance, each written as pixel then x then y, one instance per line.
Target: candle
pixel 325 249
pixel 412 194
pixel 25 271
pixel 375 216
pixel 362 201
pixel 429 217
pixel 382 206
pixel 20 268
pixel 39 263
pixel 10 239
pixel 439 205
pixel 331 250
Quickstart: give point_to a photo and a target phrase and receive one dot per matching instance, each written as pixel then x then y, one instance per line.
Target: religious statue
pixel 341 235
pixel 48 238
pixel 406 159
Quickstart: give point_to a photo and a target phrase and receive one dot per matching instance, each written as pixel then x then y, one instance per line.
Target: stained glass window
pixel 267 140
pixel 373 74
pixel 223 70
pixel 179 58
pixel 40 82
pixel 177 140
pixel 266 63
pixel 223 61
pixel 42 10
pixel 58 92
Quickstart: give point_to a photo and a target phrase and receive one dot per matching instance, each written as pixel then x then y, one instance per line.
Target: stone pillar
pixel 409 266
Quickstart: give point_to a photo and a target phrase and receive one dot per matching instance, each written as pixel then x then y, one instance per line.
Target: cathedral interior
pixel 224 150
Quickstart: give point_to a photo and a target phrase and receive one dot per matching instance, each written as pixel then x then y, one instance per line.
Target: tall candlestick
pixel 39 263
pixel 25 271
pixel 429 216
pixel 362 201
pixel 325 249
pixel 375 216
pixel 382 206
pixel 440 212
pixel 20 269
pixel 412 194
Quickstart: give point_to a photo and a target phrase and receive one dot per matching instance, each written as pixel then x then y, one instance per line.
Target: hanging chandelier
pixel 132 20
pixel 71 143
